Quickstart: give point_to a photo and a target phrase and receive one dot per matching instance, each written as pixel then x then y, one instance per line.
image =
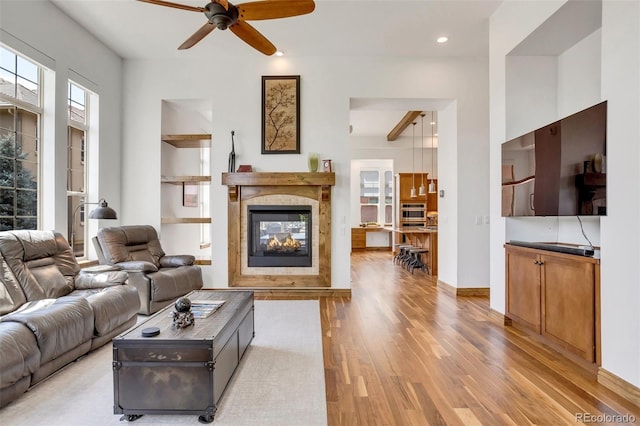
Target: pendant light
pixel 413 156
pixel 421 191
pixel 432 184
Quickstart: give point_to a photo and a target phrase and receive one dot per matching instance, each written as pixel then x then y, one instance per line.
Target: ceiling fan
pixel 222 14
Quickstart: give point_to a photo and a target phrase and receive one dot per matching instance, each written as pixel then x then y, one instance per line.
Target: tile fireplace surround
pixel 279 188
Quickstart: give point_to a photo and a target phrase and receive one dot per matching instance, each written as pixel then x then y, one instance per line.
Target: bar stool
pixel 416 259
pixel 397 249
pixel 403 253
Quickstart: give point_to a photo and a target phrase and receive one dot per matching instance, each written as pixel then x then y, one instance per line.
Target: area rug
pixel 280 381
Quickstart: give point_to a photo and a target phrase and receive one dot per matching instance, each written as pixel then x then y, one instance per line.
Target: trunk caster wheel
pixel 130 417
pixel 205 419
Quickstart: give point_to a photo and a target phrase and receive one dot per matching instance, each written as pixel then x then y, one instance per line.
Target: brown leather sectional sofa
pixel 159 278
pixel 50 312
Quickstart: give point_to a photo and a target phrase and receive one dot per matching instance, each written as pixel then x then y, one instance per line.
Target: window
pixel 388 197
pixel 77 103
pixel 369 195
pixel 376 195
pixel 20 115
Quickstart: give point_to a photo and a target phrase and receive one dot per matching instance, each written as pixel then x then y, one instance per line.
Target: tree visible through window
pixel 19 141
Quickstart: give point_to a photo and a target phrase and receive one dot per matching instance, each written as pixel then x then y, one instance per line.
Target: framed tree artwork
pixel 281 114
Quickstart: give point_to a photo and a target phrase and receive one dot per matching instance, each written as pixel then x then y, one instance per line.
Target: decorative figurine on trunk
pixel 182 316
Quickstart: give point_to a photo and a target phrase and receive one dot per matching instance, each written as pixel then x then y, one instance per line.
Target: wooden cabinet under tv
pixel 557 296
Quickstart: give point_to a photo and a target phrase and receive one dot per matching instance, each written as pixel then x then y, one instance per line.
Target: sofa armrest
pixel 138 266
pixel 101 280
pixel 177 260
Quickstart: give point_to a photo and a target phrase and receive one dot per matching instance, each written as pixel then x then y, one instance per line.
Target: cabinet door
pixel 523 288
pixel 568 306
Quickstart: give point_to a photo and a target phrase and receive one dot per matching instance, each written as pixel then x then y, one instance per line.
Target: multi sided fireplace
pixel 279 236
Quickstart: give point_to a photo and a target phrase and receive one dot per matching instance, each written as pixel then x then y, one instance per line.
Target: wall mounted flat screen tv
pixel 558 169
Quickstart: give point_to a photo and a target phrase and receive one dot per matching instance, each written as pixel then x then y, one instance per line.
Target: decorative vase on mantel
pixel 314 160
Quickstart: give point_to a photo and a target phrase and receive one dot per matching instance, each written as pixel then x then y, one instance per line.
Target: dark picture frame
pixel 281 114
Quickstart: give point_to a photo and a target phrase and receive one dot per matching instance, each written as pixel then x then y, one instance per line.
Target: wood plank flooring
pixel 403 352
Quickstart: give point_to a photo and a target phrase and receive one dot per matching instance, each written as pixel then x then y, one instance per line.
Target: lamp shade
pixel 103 211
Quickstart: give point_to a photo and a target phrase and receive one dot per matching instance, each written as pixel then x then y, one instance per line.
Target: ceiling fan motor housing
pixel 221 18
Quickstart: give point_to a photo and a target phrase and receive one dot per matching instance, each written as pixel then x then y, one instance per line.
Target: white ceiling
pixel 393 28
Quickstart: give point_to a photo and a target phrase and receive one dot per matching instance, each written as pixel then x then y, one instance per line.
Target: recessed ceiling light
pixel 442 39
pixel 279 53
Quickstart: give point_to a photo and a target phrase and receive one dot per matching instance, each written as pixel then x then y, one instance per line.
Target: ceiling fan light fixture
pixel 279 53
pixel 224 15
pixel 221 17
pixel 442 39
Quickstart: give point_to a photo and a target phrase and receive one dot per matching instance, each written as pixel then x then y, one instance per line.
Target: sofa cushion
pixel 177 260
pixel 112 306
pixel 11 294
pixel 13 252
pixel 170 283
pixel 101 280
pixel 19 354
pixel 40 261
pixel 49 277
pixel 58 328
pixel 127 243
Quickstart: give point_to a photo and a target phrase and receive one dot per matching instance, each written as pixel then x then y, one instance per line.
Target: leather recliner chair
pixel 159 278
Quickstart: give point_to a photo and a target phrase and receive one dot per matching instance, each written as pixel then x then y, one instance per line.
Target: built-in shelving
pixel 179 180
pixel 168 220
pixel 202 140
pixel 193 141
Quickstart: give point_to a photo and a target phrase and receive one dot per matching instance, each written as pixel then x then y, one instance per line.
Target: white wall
pixel 448 206
pixel 327 85
pixel 40 31
pixel 620 230
pixel 617 82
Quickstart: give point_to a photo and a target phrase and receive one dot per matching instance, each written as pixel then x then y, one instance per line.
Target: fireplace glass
pixel 279 236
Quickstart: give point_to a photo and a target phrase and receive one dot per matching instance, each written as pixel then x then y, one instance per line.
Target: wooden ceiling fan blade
pixel 253 38
pixel 223 3
pixel 273 9
pixel 175 5
pixel 197 36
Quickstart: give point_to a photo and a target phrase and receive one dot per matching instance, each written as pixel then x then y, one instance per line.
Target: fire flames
pixel 288 244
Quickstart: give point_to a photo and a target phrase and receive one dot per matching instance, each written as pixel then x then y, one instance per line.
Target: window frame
pixel 12 101
pixel 381 186
pixel 76 211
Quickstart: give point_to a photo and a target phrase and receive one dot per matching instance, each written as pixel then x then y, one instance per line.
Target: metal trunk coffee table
pixel 182 370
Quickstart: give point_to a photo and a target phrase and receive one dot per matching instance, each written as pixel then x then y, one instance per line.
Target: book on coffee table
pixel 204 308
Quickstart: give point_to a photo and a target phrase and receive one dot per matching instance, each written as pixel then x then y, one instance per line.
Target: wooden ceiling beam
pixel 408 118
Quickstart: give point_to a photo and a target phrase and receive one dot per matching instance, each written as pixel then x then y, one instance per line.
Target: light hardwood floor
pixel 403 352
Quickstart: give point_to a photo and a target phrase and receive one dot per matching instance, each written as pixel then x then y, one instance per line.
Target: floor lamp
pixel 103 211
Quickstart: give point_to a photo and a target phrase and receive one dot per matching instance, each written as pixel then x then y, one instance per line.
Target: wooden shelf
pixel 202 262
pixel 279 178
pixel 179 180
pixel 188 140
pixel 169 220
